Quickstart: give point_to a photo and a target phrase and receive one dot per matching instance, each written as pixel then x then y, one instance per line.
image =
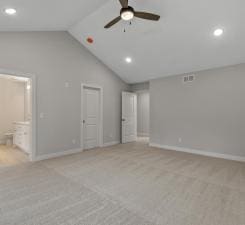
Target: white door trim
pixel 32 78
pixel 100 89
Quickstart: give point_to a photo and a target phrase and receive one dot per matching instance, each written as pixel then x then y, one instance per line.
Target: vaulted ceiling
pixel 45 15
pixel 181 42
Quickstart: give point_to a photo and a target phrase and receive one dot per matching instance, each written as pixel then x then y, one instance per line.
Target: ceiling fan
pixel 127 13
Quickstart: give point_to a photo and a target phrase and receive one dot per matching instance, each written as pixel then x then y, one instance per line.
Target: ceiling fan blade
pixel 147 16
pixel 116 20
pixel 124 3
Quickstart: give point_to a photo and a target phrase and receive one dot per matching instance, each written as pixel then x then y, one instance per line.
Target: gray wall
pixel 208 114
pixel 56 58
pixel 140 86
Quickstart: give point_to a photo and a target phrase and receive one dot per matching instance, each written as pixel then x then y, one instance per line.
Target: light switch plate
pixel 42 115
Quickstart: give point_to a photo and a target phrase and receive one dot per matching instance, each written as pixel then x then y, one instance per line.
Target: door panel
pixel 91 118
pixel 129 117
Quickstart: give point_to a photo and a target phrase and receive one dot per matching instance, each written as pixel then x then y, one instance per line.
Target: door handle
pixel 123 120
pixel 84 121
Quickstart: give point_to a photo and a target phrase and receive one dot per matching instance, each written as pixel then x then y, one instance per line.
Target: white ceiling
pixel 39 15
pixel 180 42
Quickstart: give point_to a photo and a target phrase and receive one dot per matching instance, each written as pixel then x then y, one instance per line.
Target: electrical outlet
pixel 67 84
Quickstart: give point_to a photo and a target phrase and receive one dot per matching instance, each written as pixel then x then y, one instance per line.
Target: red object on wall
pixel 90 40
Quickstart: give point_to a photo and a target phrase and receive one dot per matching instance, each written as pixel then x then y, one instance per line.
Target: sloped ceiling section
pixel 45 15
pixel 181 42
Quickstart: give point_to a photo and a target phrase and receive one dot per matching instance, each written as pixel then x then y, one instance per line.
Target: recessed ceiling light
pixel 218 32
pixel 128 60
pixel 10 11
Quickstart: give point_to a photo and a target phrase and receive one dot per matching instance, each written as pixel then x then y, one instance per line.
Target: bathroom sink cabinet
pixel 22 136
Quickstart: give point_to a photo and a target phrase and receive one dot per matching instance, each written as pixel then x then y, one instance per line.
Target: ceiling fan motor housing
pixel 127 13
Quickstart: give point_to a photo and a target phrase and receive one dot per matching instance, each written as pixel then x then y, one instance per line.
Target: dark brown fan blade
pixel 124 3
pixel 147 16
pixel 116 20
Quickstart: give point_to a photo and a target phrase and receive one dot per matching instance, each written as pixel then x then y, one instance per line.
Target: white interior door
pixel 91 115
pixel 129 117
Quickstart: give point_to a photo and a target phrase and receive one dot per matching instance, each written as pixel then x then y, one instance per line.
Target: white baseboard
pixel 56 155
pixel 199 152
pixel 111 143
pixel 67 152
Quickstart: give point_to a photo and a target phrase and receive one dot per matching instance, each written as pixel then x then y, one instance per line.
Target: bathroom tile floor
pixel 10 156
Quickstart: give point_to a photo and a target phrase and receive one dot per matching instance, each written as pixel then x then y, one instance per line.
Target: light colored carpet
pixel 129 184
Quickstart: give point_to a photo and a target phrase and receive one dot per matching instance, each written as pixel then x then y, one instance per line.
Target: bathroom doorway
pixel 16 120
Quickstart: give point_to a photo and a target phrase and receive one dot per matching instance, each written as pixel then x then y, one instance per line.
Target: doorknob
pixel 123 120
pixel 84 121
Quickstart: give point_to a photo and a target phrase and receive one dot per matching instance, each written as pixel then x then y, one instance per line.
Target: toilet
pixel 9 139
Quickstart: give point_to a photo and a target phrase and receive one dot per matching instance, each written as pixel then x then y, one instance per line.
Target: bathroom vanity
pixel 22 136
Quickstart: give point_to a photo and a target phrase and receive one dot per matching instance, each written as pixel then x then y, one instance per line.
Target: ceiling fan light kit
pixel 127 13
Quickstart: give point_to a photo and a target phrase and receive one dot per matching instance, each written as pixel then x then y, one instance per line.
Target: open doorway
pixel 136 114
pixel 15 120
pixel 143 115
